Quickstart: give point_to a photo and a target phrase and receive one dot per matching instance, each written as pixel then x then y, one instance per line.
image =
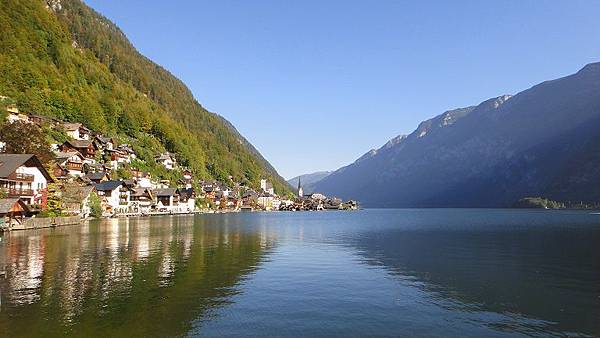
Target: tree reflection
pixel 122 277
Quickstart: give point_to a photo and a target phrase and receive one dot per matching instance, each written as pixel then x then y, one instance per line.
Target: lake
pixel 413 272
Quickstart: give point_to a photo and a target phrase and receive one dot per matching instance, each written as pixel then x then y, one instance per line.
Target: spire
pixel 300 192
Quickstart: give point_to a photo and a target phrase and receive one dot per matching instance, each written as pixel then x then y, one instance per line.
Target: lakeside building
pixel 23 176
pixel 13 210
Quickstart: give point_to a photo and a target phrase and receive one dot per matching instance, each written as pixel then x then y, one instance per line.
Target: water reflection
pixel 540 272
pixel 382 272
pixel 140 277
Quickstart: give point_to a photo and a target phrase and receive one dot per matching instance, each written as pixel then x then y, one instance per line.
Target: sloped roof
pixel 75 193
pixel 137 192
pixel 166 192
pixel 7 203
pixel 186 193
pixel 96 176
pixel 71 126
pixel 10 162
pixel 108 185
pixel 64 155
pixel 79 143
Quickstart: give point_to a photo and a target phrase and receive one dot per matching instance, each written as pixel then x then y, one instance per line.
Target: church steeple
pixel 300 192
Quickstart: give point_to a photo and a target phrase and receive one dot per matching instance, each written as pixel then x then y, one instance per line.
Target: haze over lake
pixel 471 272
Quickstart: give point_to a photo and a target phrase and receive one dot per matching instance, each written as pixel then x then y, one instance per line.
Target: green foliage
pixel 26 138
pixel 95 205
pixel 122 173
pixel 54 207
pixel 75 65
pixel 203 203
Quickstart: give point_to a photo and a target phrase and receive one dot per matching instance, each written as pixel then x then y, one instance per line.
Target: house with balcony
pixel 86 148
pixel 104 143
pixel 71 162
pixel 23 176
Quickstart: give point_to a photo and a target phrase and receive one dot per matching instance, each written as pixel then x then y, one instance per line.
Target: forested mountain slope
pixel 61 59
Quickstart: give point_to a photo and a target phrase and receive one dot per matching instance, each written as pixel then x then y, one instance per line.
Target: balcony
pixel 16 192
pixel 20 177
pixel 77 166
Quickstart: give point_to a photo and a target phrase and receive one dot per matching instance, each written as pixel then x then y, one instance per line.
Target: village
pixel 85 180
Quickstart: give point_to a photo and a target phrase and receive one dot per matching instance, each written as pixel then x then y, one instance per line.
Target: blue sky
pixel 315 84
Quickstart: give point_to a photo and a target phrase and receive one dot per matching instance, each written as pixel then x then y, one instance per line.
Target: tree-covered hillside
pixel 60 58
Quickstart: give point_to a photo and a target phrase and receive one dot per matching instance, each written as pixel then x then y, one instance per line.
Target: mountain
pixel 61 59
pixel 308 181
pixel 541 142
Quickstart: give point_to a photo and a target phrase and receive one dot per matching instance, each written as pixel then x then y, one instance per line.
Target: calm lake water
pixel 431 272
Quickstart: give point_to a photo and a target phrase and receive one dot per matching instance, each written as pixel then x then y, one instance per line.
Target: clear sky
pixel 314 84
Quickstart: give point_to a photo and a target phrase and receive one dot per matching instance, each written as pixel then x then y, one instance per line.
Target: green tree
pixel 26 138
pixel 95 205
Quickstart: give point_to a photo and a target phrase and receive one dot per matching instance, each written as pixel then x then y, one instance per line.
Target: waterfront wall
pixel 47 222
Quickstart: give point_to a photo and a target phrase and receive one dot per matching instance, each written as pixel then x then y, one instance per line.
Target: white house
pixel 77 131
pixel 265 201
pixel 24 176
pixel 167 160
pixel 267 187
pixel 115 197
pixel 187 200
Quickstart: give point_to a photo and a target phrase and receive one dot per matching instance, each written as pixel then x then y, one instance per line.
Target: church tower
pixel 300 192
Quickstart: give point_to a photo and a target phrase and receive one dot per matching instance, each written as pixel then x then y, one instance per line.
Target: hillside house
pixel 23 176
pixel 86 148
pixel 98 177
pixel 267 187
pixel 15 116
pixel 187 174
pixel 127 150
pixel 167 160
pixel 71 161
pixel 104 143
pixel 77 131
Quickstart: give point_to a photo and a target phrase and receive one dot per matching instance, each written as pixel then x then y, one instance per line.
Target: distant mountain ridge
pixel 308 180
pixel 540 142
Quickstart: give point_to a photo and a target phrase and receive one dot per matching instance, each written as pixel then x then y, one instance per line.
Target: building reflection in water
pixel 71 280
